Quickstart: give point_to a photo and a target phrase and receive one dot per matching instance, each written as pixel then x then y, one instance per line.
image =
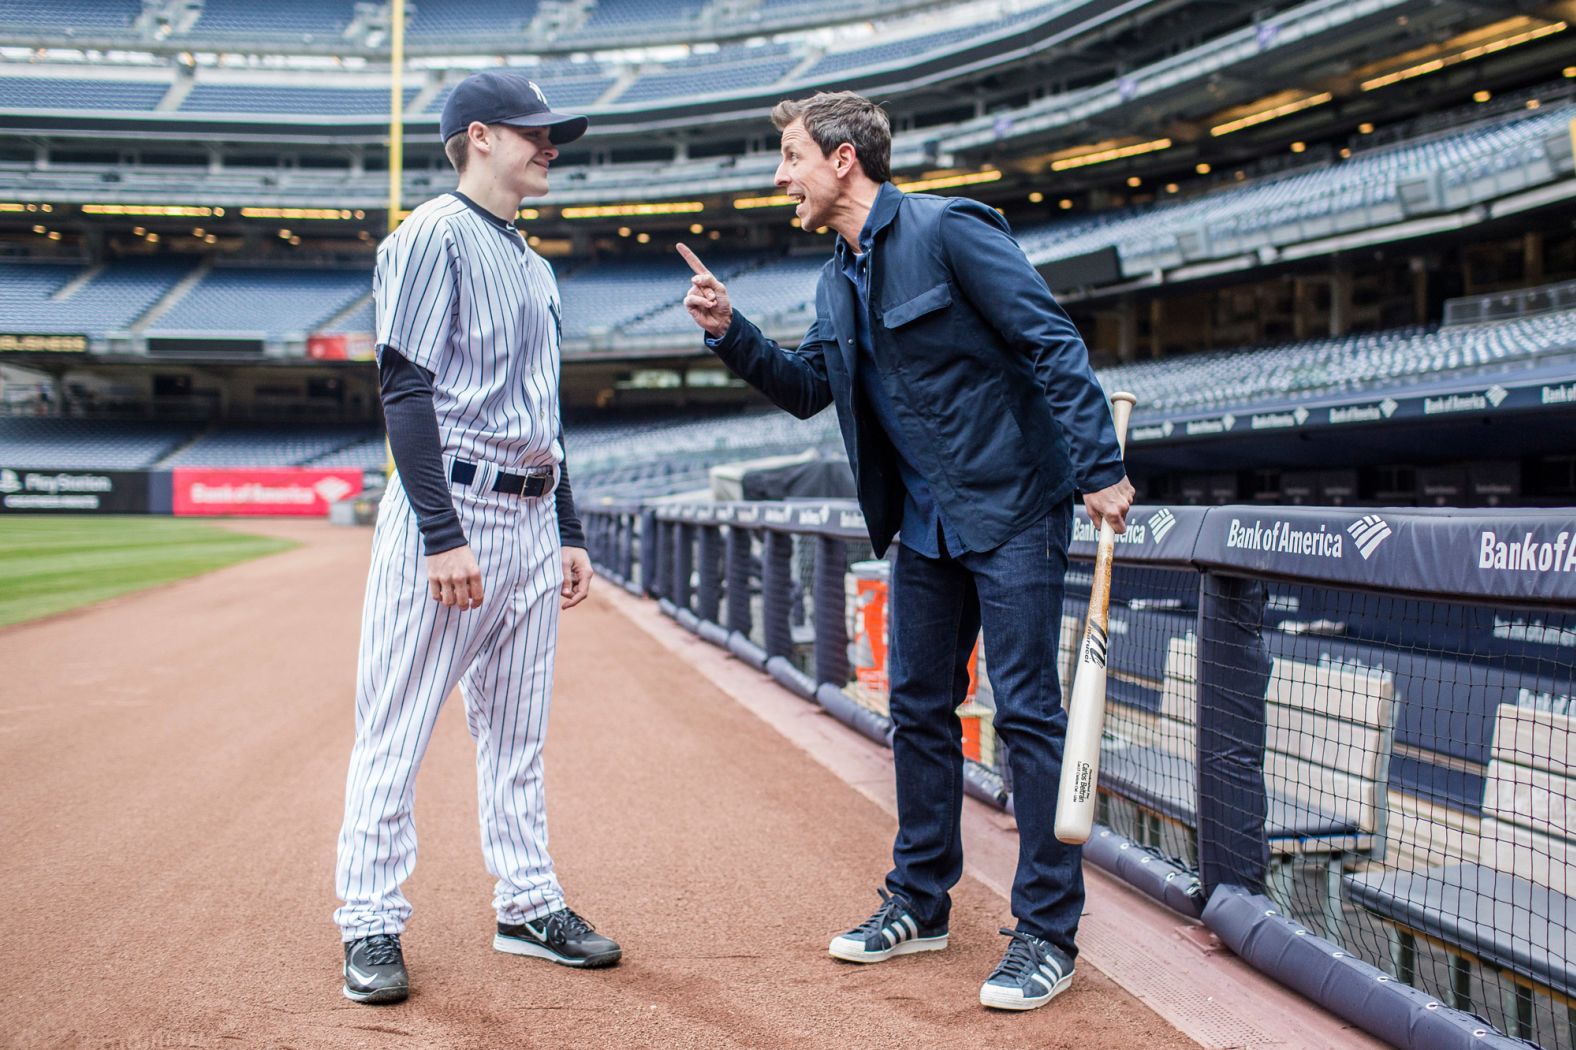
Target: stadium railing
pixel 1340 739
pixel 1523 302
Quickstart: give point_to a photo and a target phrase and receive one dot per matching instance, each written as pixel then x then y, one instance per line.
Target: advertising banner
pixel 73 491
pixel 340 346
pixel 42 343
pixel 299 491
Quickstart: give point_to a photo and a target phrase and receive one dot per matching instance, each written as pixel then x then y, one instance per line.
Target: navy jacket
pixel 987 375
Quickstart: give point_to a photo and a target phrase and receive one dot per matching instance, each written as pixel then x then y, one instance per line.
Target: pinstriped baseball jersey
pixel 462 295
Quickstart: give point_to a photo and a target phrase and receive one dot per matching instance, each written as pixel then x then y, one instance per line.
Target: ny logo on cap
pixel 537 91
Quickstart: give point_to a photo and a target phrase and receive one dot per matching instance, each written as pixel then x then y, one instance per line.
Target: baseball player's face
pixel 807 175
pixel 526 153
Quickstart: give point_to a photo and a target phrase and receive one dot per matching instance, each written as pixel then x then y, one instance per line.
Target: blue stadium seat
pixel 474 18
pixel 67 93
pixel 320 19
pixel 109 301
pixel 301 101
pixel 251 301
pixel 71 16
pixel 271 446
pixel 79 444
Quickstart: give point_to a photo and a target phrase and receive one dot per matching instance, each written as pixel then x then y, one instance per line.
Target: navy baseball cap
pixel 500 96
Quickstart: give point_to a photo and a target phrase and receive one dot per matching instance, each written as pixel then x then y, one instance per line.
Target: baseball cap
pixel 500 96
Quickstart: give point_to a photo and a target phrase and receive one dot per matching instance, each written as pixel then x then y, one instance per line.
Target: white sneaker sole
pixel 382 995
pixel 854 951
pixel 998 998
pixel 518 947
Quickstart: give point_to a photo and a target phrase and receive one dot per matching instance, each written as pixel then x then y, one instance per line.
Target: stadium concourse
pixel 170 808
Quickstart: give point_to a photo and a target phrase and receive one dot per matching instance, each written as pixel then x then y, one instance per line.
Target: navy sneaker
pixel 561 937
pixel 892 930
pixel 375 970
pixel 1031 974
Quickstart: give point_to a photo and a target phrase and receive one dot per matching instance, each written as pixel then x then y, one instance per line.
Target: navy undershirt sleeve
pixel 418 452
pixel 570 532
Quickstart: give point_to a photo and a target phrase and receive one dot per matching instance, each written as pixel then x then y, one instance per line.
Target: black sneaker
pixel 375 970
pixel 561 937
pixel 892 930
pixel 1031 974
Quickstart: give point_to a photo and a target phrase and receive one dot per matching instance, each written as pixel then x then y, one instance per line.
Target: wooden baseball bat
pixel 1086 706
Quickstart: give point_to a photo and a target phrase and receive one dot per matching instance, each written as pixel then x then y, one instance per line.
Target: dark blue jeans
pixel 938 605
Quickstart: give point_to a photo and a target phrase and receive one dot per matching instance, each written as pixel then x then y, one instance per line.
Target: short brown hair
pixel 834 117
pixel 458 150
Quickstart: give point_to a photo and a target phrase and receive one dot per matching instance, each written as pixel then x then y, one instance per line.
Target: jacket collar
pixel 882 211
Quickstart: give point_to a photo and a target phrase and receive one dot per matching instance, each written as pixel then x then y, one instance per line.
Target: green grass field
pixel 49 564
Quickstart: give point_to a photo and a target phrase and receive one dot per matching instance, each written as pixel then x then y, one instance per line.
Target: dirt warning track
pixel 174 770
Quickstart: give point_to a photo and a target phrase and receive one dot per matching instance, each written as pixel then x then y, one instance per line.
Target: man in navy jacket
pixel 971 417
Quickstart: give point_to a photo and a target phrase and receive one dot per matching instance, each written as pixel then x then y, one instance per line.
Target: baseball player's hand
pixel 577 577
pixel 707 301
pixel 1111 504
pixel 455 579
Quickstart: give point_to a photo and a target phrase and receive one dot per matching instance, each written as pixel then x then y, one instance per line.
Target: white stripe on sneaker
pixel 913 929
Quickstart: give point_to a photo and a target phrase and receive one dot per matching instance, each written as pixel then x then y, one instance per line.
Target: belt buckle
pixel 528 485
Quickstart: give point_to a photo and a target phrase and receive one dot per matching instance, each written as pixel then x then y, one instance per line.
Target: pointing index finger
pixel 693 260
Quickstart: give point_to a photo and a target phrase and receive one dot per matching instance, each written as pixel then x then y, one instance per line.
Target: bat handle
pixel 1122 403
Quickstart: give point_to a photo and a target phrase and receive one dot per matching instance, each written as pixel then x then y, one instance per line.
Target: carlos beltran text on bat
pixel 1086 707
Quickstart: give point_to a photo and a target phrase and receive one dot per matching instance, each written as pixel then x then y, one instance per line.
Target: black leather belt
pixel 535 483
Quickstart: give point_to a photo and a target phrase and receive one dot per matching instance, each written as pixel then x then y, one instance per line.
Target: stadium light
pixel 12 206
pixel 296 213
pixel 943 182
pixel 1036 197
pixel 166 211
pixel 610 211
pixel 1269 113
pixel 1434 65
pixel 1105 154
pixel 745 203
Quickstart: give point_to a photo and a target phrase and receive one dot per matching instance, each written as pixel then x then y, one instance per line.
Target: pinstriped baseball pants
pixel 413 653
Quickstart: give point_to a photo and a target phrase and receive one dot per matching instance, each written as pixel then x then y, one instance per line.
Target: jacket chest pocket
pixel 927 304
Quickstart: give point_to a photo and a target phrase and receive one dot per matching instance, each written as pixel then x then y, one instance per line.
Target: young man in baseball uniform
pixel 477 546
pixel 971 417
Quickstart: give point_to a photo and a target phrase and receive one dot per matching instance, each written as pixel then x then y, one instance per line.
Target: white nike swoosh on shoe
pixel 358 976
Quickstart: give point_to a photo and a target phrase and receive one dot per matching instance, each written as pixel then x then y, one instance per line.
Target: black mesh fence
pixel 1393 773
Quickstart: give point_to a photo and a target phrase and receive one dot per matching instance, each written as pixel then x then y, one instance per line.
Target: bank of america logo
pixel 1369 531
pixel 1160 523
pixel 332 489
pixel 1496 394
pixel 9 482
